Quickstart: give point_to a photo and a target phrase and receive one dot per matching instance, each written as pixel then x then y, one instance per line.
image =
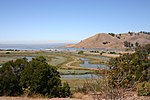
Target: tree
pixel 81 52
pixel 10 76
pixel 137 44
pixel 105 42
pixel 112 34
pixel 126 44
pixel 42 79
pixel 129 69
pixel 35 76
pixel 147 48
pixel 131 33
pixel 66 90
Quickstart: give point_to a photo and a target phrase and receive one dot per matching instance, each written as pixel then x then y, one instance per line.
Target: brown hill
pixel 114 41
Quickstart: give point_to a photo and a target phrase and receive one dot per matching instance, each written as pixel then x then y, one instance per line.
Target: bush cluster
pixel 143 88
pixel 129 70
pixel 81 52
pixel 36 77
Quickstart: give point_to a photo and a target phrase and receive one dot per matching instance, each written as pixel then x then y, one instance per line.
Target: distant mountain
pixel 114 41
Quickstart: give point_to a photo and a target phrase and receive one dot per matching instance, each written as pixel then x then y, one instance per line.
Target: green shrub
pixel 7 52
pixel 34 77
pixel 44 79
pixel 105 42
pixel 143 89
pixel 112 52
pixel 81 52
pixel 112 34
pixel 102 53
pixel 9 77
pixel 65 90
pixel 128 69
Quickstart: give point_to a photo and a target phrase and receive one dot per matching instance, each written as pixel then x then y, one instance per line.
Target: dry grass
pixel 27 98
pixel 111 55
pixel 78 96
pixel 74 83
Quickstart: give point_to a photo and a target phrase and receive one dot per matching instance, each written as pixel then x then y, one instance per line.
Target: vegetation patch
pixel 75 72
pixel 81 52
pixel 112 34
pixel 143 89
pixel 77 63
pixel 34 77
pixel 105 42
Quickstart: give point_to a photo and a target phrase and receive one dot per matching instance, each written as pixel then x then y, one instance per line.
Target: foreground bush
pixel 124 73
pixel 34 77
pixel 129 69
pixel 143 89
pixel 9 77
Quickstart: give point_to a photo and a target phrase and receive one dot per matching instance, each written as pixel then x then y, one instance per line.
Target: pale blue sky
pixel 69 20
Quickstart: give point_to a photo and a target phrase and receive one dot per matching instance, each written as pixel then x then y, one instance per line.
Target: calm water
pixel 102 57
pixel 88 65
pixel 85 76
pixel 29 58
pixel 30 46
pixel 56 46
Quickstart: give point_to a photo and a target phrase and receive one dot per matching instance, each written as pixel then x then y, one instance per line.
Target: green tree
pixel 66 90
pixel 137 44
pixel 147 48
pixel 81 52
pixel 126 44
pixel 9 77
pixel 35 76
pixel 42 78
pixel 128 69
pixel 112 34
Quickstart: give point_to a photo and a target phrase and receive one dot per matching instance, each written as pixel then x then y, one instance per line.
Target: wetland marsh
pixel 70 65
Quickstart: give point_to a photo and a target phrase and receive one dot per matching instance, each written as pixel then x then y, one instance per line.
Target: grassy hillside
pixel 114 41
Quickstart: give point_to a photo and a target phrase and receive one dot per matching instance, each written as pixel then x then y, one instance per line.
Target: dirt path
pixel 85 97
pixel 68 65
pixel 27 98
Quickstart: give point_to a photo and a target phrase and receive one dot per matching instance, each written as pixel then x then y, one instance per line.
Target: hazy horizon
pixel 38 42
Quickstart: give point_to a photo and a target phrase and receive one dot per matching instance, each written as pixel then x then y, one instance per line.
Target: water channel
pixel 29 58
pixel 84 76
pixel 86 64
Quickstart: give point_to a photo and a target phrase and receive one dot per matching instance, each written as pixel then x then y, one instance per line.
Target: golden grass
pixel 74 83
pixel 28 98
pixel 111 55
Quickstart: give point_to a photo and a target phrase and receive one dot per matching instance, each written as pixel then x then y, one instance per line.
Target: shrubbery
pixel 112 52
pixel 81 52
pixel 126 73
pixel 10 76
pixel 34 77
pixel 112 34
pixel 143 89
pixel 128 70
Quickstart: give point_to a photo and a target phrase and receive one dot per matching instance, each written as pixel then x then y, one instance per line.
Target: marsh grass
pixel 99 89
pixel 74 83
pixel 96 62
pixel 74 72
pixel 54 61
pixel 77 64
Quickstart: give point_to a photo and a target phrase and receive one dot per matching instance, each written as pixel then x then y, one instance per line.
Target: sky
pixel 68 21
